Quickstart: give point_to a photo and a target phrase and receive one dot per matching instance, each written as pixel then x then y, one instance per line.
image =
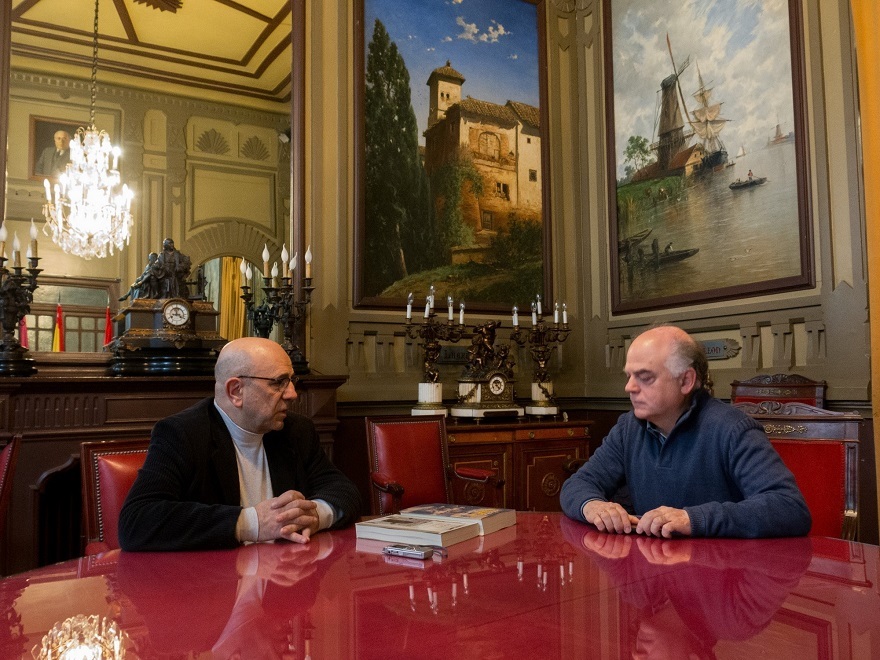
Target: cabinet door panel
pixel 496 457
pixel 541 473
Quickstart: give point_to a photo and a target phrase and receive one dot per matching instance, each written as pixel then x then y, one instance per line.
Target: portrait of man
pixel 50 146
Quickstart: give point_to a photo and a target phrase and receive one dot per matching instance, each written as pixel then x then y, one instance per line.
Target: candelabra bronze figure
pixel 281 306
pixel 16 296
pixel 432 332
pixel 542 339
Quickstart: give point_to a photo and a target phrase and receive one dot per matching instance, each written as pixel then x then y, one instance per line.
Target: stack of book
pixel 436 524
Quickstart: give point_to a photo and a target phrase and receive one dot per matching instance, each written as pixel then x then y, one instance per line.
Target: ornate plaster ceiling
pixel 236 51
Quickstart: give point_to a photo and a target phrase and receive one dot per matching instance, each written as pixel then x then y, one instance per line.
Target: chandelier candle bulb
pixel 556 312
pixel 265 256
pixel 427 309
pixel 285 255
pixel 431 296
pixel 409 302
pixel 461 313
pixel 515 315
pixel 16 251
pixel 243 266
pixel 534 313
pixel 538 299
pixel 275 274
pixel 564 314
pixel 3 234
pixel 449 306
pixel 248 274
pixel 309 262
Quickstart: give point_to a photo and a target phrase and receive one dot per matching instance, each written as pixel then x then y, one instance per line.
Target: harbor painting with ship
pixel 706 162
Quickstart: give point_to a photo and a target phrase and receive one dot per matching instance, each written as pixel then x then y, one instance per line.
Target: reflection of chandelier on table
pixel 89 209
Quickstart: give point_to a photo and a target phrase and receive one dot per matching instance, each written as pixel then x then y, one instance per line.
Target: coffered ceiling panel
pixel 220 49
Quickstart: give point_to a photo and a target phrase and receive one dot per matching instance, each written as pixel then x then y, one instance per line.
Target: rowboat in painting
pixel 741 184
pixel 630 242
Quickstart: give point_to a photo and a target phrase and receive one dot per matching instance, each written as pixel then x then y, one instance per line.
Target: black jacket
pixel 186 496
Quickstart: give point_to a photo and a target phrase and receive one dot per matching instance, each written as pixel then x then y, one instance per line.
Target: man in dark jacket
pixel 237 467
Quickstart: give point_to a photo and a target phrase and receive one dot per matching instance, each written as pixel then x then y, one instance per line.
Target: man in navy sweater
pixel 694 465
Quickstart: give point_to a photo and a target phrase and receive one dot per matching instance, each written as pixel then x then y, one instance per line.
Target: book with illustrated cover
pixel 418 531
pixel 489 519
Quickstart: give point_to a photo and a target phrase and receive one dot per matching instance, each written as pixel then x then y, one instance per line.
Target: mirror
pixel 197 94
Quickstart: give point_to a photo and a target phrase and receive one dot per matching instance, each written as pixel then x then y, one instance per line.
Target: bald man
pixel 238 467
pixel 694 465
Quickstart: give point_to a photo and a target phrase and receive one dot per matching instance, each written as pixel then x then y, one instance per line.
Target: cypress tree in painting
pixel 399 239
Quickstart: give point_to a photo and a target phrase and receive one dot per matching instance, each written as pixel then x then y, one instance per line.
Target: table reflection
pixel 680 597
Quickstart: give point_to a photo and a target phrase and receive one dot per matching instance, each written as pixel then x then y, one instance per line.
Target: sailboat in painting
pixel 742 151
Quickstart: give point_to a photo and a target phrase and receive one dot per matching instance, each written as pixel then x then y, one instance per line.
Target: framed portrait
pixel 707 158
pixel 451 146
pixel 48 155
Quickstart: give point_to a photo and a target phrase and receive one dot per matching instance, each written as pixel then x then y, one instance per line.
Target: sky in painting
pixel 492 43
pixel 742 49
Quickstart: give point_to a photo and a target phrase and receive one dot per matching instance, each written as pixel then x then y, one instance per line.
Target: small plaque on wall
pixel 721 349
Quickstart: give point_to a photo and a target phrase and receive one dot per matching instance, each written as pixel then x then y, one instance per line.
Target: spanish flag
pixel 108 327
pixel 58 337
pixel 22 333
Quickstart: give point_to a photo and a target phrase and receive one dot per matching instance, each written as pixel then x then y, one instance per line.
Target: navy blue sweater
pixel 717 464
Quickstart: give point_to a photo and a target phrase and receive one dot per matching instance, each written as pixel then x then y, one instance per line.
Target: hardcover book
pixel 417 530
pixel 489 519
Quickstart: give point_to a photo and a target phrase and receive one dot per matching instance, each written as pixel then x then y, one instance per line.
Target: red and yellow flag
pixel 108 327
pixel 58 337
pixel 22 333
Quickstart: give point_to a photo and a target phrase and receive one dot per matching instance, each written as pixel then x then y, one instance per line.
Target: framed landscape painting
pixel 450 152
pixel 708 165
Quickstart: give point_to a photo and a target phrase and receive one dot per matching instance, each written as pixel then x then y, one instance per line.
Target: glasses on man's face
pixel 278 384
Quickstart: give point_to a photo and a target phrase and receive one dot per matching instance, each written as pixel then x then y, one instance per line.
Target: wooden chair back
pixel 821 448
pixel 8 458
pixel 109 469
pixel 785 388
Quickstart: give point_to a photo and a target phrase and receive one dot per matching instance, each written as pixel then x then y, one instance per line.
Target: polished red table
pixel 546 588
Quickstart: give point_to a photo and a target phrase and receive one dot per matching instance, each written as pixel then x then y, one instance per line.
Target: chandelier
pixel 88 211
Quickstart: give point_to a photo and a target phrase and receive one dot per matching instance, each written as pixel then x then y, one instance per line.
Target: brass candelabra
pixel 16 296
pixel 432 331
pixel 542 338
pixel 281 306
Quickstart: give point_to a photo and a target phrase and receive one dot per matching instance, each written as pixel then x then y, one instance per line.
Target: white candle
pixel 16 251
pixel 515 317
pixel 3 234
pixel 449 306
pixel 48 190
pixel 427 308
pixel 293 261
pixel 309 262
pixel 243 266
pixel 116 152
pixel 534 313
pixel 265 260
pixel 538 299
pixel 564 314
pixel 556 312
pixel 284 253
pixel 461 313
pixel 409 302
pixel 431 296
pixel 275 270
pixel 248 274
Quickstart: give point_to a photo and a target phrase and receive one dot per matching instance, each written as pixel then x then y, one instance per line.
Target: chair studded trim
pixel 96 470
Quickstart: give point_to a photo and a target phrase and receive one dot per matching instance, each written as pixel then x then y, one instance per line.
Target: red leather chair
pixel 785 388
pixel 8 457
pixel 409 463
pixel 109 469
pixel 821 448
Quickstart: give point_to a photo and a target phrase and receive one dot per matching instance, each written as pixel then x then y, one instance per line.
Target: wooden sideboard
pixel 531 457
pixel 54 414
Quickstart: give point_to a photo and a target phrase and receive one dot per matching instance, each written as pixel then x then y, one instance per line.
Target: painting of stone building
pixel 452 162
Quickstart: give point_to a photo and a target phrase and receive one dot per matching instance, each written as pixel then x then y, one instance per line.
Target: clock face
pixel 496 385
pixel 176 314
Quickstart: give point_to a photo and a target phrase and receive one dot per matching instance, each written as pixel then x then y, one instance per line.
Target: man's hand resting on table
pixel 289 516
pixel 611 517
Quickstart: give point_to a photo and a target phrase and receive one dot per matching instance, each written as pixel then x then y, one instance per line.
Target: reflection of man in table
pixel 686 596
pixel 53 160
